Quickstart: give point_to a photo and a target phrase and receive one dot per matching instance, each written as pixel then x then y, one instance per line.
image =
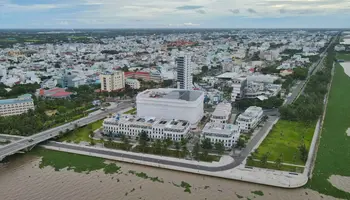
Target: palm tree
pixel 177 147
pixel 184 150
pixel 278 162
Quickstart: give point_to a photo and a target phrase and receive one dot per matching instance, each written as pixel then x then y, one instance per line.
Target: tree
pixel 303 152
pixel 125 141
pixel 240 143
pixel 206 144
pixel 219 146
pixel 92 142
pixel 184 150
pixel 91 134
pixel 195 151
pixel 264 159
pixel 125 68
pixel 143 140
pixel 157 147
pixel 168 142
pixel 205 69
pixel 278 162
pixel 177 147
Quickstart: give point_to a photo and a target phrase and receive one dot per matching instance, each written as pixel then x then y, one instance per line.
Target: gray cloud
pixel 299 12
pixel 234 11
pixel 252 11
pixel 305 3
pixel 188 7
pixel 201 11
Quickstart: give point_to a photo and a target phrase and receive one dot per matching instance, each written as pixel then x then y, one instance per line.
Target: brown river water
pixel 22 179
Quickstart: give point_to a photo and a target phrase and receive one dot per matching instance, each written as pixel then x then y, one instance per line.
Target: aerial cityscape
pixel 187 110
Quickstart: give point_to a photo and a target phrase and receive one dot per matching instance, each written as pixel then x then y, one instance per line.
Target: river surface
pixel 22 179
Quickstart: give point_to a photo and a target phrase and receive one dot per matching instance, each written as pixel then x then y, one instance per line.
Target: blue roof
pixel 20 99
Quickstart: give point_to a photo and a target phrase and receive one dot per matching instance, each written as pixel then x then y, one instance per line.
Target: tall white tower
pixel 184 71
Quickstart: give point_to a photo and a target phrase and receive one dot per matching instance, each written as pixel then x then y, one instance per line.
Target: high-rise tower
pixel 184 71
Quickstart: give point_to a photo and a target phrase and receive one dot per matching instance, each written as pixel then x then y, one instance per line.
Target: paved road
pixel 248 149
pixel 299 89
pixel 48 134
pixel 144 158
pixel 140 157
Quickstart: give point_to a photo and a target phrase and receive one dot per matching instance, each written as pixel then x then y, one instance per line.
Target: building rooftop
pixel 176 94
pixel 222 109
pixel 20 99
pixel 220 129
pixel 252 111
pixel 149 121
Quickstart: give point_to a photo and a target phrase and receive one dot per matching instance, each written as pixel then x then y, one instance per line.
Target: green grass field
pixel 343 56
pixel 81 134
pixel 333 156
pixel 131 112
pixel 78 163
pixel 284 139
pixel 287 168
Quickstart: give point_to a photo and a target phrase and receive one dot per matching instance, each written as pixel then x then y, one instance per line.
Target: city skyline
pixel 174 14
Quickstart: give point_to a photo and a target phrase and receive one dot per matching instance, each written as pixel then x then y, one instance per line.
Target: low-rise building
pixel 228 134
pixel 221 114
pixel 251 117
pixel 156 128
pixel 16 106
pixel 138 75
pixel 133 83
pixel 54 93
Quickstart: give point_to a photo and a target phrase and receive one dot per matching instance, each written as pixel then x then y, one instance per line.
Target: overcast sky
pixel 174 13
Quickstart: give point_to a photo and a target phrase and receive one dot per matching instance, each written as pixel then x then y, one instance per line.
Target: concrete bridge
pixel 28 143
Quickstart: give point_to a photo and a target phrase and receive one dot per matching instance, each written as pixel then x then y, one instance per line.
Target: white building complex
pixel 132 126
pixel 171 104
pixel 251 117
pixel 228 134
pixel 16 106
pixel 221 114
pixel 112 81
pixel 184 71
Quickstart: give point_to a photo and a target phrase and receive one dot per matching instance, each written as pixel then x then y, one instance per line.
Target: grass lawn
pixel 131 112
pixel 78 163
pixel 81 134
pixel 343 56
pixel 175 154
pixel 333 156
pixel 287 168
pixel 284 138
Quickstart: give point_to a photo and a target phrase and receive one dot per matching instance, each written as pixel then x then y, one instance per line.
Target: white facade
pixel 184 71
pixel 16 106
pixel 133 83
pixel 171 104
pixel 221 114
pixel 238 85
pixel 132 126
pixel 250 118
pixel 111 82
pixel 228 134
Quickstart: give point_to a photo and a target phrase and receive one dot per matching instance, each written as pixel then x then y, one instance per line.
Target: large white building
pixel 112 81
pixel 16 106
pixel 251 117
pixel 184 71
pixel 156 128
pixel 171 104
pixel 221 114
pixel 228 134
